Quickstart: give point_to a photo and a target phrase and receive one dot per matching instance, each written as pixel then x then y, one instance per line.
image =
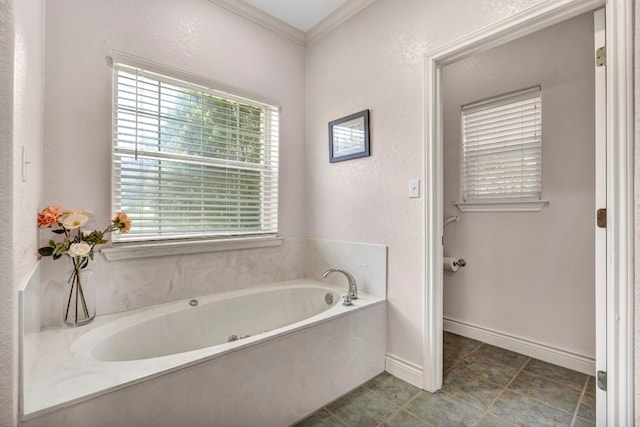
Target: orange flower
pixel 123 222
pixel 49 216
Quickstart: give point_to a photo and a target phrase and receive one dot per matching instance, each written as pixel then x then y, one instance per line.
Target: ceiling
pixel 301 14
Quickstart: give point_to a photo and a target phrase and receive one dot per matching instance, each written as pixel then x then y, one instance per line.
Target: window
pixel 190 161
pixel 502 168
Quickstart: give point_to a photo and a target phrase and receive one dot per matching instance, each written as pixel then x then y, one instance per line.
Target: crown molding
pixel 269 22
pixel 263 19
pixel 336 18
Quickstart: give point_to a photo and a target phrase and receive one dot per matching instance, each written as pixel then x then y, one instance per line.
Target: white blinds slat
pixel 502 148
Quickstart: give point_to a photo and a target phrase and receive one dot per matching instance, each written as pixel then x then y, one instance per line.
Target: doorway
pixel 519 195
pixel 619 258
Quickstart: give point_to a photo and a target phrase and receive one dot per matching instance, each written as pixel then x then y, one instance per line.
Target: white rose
pixel 74 220
pixel 79 249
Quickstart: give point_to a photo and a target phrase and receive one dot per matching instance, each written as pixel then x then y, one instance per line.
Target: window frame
pixel 500 203
pixel 141 245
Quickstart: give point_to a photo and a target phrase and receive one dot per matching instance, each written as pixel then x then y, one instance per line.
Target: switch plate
pixel 414 188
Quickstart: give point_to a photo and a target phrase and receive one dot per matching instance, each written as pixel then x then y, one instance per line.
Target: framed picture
pixel 349 137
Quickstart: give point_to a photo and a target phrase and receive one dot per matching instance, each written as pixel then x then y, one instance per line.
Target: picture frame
pixel 349 137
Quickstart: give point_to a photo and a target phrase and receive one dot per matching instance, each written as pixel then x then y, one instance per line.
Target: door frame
pixel 619 185
pixel 600 259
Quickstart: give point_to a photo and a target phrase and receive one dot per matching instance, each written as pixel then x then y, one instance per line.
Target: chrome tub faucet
pixel 353 287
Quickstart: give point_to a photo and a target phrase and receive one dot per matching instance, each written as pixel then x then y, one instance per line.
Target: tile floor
pixel 483 386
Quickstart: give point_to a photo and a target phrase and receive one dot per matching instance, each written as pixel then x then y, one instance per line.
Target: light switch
pixel 414 188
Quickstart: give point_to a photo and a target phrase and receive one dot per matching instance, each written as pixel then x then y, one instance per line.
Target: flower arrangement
pixel 79 245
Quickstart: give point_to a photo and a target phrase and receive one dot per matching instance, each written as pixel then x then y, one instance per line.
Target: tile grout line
pixel 324 408
pixel 337 417
pixel 444 371
pixel 575 412
pixel 403 406
pixel 549 404
pixel 483 411
pixel 522 368
pixel 398 410
pixel 506 386
pixel 447 394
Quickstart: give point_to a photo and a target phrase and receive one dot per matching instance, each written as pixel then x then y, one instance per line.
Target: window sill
pixel 146 250
pixel 506 206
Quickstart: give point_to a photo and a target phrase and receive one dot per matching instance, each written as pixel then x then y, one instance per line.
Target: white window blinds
pixel 502 148
pixel 190 161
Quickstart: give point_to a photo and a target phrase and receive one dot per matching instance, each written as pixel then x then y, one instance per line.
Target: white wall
pixel 28 131
pixel 636 79
pixel 21 100
pixel 8 295
pixel 529 274
pixel 376 60
pixel 193 35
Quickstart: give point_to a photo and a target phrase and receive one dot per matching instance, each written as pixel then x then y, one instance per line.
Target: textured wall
pixel 8 294
pixel 28 110
pixel 376 60
pixel 529 274
pixel 21 88
pixel 193 35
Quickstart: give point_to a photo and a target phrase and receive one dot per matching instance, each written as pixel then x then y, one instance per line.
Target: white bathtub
pixel 173 365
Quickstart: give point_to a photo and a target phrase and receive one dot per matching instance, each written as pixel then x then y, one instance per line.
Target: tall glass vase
pixel 79 298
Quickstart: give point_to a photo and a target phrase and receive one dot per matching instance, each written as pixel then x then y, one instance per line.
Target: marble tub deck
pixel 483 386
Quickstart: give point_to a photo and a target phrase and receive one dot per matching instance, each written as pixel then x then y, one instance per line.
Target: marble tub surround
pixel 130 284
pixel 344 345
pixel 483 386
pixel 366 262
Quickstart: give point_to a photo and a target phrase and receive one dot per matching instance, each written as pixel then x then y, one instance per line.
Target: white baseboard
pixel 406 371
pixel 520 345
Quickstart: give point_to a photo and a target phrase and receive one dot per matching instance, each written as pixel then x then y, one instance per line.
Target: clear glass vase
pixel 79 299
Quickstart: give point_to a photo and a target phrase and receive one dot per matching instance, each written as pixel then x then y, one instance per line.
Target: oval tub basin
pixel 214 322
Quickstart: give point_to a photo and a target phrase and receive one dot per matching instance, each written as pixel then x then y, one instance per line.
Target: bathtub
pixel 265 356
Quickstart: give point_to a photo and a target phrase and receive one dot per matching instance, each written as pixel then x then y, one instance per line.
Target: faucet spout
pixel 353 287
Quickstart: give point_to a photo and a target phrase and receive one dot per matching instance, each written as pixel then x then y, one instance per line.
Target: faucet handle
pixel 347 299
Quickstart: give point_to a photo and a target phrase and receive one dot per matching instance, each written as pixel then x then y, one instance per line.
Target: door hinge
pixel 601 218
pixel 602 380
pixel 601 56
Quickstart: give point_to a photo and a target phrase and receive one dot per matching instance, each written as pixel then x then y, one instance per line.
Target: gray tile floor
pixel 483 386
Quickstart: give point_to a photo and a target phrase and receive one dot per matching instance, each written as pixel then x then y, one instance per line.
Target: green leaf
pixel 46 251
pixel 58 231
pixel 85 262
pixel 56 256
pixel 60 249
